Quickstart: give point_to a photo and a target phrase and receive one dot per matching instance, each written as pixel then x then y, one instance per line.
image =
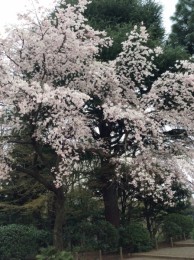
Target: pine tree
pixel 119 17
pixel 183 27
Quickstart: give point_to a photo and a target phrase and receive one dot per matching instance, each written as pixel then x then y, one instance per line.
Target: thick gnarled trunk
pixel 59 219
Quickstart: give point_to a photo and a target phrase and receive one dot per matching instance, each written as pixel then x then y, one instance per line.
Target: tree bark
pixel 109 192
pixel 111 204
pixel 59 219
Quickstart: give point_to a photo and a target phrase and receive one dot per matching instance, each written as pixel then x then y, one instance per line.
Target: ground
pixel 183 250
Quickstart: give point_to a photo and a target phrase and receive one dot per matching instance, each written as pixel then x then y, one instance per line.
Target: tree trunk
pixel 109 192
pixel 111 204
pixel 59 219
pixel 149 226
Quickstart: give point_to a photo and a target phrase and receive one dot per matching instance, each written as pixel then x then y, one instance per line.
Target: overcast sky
pixel 9 8
pixel 168 11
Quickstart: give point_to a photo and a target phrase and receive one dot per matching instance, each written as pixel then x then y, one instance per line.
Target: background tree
pixel 183 25
pixel 118 18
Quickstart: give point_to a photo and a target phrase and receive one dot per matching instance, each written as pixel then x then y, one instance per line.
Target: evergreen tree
pixel 119 17
pixel 183 27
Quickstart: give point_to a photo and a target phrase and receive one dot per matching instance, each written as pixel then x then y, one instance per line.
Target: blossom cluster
pixel 54 86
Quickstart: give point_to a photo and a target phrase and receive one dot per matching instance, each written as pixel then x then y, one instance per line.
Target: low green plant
pixel 135 238
pixel 19 241
pixel 51 253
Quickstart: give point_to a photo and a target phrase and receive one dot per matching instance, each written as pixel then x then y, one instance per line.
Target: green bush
pixel 19 241
pixel 107 236
pixel 171 229
pixel 88 236
pixel 51 253
pixel 135 238
pixel 175 225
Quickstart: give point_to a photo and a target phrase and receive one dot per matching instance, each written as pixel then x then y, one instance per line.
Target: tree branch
pixel 37 176
pixel 18 142
pixel 39 153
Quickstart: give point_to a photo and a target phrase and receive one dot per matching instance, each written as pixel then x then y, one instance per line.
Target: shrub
pixel 19 241
pixel 135 238
pixel 107 236
pixel 92 236
pixel 176 224
pixel 171 229
pixel 51 253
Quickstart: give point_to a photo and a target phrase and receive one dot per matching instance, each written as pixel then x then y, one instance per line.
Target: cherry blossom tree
pixel 152 182
pixel 48 71
pixel 61 101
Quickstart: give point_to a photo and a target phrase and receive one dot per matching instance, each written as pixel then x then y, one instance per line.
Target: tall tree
pixel 183 25
pixel 50 121
pixel 118 18
pixel 61 101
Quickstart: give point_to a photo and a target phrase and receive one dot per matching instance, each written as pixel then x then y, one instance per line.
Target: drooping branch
pixel 18 142
pixel 37 176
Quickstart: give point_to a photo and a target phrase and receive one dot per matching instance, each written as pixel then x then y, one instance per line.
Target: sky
pixel 168 11
pixel 9 9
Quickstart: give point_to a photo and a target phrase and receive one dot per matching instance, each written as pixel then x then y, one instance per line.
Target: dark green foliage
pixel 86 236
pixel 80 205
pixel 181 198
pixel 118 17
pixel 171 229
pixel 25 201
pixel 19 241
pixel 167 60
pixel 135 238
pixel 107 236
pixel 85 230
pixel 183 27
pixel 108 13
pixel 51 253
pixel 175 225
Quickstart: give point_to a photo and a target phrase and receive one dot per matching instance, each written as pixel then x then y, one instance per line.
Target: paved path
pixel 143 258
pixel 183 253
